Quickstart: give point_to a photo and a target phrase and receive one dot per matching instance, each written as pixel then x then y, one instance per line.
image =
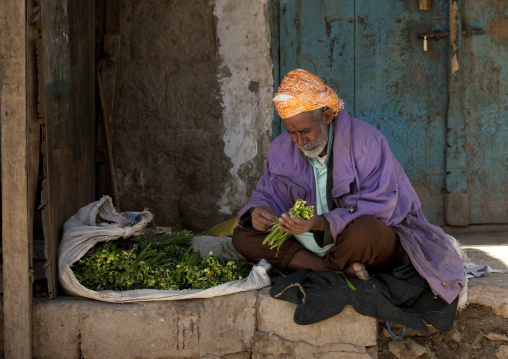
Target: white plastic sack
pixel 81 233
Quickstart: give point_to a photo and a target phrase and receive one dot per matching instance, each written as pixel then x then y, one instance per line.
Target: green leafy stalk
pixel 353 288
pixel 277 236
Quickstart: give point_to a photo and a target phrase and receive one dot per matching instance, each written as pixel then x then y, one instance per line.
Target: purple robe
pixel 366 180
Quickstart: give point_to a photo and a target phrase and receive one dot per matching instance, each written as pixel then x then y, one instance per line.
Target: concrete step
pixel 242 325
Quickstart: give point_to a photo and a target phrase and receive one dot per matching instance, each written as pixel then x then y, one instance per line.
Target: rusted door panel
pixel 318 36
pixel 369 53
pixel 444 116
pixel 485 60
pixel 402 90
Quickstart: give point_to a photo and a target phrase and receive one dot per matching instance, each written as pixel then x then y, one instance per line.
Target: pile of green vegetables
pixel 166 261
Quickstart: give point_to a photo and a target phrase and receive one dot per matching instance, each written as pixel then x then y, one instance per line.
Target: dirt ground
pixel 468 339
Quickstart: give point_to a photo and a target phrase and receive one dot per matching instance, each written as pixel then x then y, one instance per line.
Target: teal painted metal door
pixel 370 53
pixel 485 84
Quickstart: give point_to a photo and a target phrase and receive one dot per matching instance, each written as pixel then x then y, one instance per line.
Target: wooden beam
pixel 68 72
pixel 17 278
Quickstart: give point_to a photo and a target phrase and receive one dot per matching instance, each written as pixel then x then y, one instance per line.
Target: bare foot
pixel 357 270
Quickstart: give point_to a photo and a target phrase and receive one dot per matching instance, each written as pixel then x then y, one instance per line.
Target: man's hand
pixel 263 218
pixel 295 225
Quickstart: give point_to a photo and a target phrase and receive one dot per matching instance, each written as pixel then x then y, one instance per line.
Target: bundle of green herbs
pixel 166 261
pixel 277 236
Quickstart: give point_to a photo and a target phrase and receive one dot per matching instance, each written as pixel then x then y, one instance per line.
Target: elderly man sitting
pixel 368 216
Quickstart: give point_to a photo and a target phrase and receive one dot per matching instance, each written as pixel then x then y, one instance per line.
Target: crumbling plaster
pixel 247 89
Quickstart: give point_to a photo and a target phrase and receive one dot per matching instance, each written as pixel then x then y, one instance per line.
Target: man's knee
pixel 367 240
pixel 368 228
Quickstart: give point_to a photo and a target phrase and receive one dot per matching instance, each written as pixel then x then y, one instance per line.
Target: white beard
pixel 314 148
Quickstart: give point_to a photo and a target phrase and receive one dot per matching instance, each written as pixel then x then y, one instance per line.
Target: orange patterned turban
pixel 300 91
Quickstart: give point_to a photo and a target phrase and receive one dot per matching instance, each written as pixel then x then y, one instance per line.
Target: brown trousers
pixel 366 240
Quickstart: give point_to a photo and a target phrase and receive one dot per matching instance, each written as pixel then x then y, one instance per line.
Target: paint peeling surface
pixel 247 88
pixel 486 110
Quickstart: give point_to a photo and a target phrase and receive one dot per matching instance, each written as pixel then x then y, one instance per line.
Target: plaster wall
pixel 192 107
pixel 247 91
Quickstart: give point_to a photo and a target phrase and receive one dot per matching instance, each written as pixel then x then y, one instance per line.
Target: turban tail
pixel 300 91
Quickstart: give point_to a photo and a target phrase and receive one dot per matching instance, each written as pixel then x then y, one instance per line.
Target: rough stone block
pixel 165 208
pixel 140 97
pixel 270 345
pixel 71 328
pixel 56 329
pixel 193 97
pixel 228 324
pixel 200 211
pixel 175 31
pixel 348 332
pixel 502 311
pixel 491 294
pixel 238 326
pixel 140 330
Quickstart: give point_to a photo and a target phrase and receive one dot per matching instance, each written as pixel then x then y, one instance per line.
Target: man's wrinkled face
pixel 309 133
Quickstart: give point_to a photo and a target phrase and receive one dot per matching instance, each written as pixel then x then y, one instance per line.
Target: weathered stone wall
pixel 238 326
pixel 192 111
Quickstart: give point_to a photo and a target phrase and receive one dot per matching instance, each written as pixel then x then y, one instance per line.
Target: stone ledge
pixel 276 317
pixel 242 325
pixel 490 291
